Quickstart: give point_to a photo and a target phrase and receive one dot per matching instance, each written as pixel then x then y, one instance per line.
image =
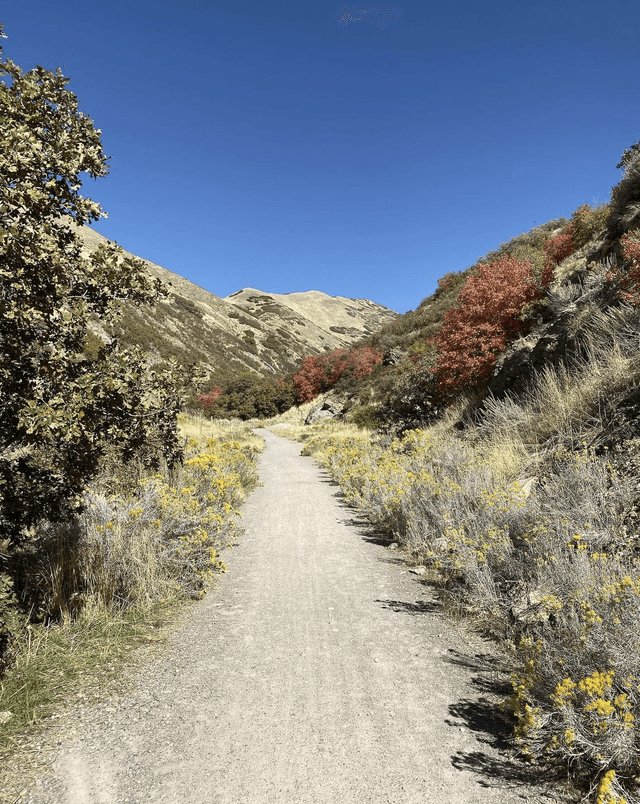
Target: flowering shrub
pixel 577 694
pixel 319 373
pixel 184 522
pixel 487 318
pixel 145 539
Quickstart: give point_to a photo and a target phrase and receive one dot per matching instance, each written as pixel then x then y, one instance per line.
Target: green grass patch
pixel 54 664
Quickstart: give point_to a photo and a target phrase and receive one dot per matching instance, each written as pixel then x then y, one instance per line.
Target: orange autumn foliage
pixel 486 319
pixel 320 372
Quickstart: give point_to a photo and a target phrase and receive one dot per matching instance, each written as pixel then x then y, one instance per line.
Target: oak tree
pixel 59 407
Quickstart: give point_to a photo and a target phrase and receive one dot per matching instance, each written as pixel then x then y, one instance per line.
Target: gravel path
pixel 319 671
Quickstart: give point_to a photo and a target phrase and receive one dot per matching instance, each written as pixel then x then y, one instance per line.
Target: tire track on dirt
pixel 319 671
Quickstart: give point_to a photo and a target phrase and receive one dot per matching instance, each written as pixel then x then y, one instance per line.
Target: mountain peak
pixel 250 330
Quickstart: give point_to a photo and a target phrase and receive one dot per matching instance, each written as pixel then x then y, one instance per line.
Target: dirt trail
pixel 319 672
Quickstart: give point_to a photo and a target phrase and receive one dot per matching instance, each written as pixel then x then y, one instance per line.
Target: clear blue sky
pixel 257 143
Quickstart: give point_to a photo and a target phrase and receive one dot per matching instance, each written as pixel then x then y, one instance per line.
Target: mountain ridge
pixel 250 330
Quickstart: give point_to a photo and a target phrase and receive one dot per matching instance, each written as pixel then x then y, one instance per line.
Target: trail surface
pixel 320 671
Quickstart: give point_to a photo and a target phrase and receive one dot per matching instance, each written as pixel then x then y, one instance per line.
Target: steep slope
pixel 229 336
pixel 408 391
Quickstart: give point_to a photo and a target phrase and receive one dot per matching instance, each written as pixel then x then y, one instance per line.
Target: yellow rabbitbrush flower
pixel 619 591
pixel 598 683
pixel 563 692
pixel 588 614
pixel 605 793
pixel 603 710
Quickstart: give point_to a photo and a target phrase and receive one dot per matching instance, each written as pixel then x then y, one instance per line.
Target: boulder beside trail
pixel 328 410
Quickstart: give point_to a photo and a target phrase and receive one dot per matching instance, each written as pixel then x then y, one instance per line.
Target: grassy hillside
pixel 329 322
pixel 250 331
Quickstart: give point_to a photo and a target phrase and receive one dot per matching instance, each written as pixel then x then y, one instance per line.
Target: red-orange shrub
pixel 630 280
pixel 446 281
pixel 362 361
pixel 321 372
pixel 309 379
pixel 487 318
pixel 557 249
pixel 209 400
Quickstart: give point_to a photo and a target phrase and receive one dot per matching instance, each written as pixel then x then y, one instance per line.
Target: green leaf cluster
pixel 250 396
pixel 61 405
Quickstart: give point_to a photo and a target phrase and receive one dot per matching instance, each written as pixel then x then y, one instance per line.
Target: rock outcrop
pixel 327 410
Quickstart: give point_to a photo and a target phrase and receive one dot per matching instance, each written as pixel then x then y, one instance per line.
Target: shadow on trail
pixel 419 607
pixel 481 663
pixel 506 772
pixel 373 537
pixel 359 522
pixel 483 715
pixel 330 482
pixel 492 727
pixel 369 533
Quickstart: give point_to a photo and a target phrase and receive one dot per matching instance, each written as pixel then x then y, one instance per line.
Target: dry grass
pixel 295 415
pixel 573 403
pixel 198 427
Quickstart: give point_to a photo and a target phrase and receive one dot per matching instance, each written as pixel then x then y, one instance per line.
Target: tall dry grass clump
pixel 579 400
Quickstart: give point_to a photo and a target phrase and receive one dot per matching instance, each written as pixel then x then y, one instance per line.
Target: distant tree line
pixel 248 396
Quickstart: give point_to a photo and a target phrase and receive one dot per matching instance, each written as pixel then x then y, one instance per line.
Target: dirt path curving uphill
pixel 319 672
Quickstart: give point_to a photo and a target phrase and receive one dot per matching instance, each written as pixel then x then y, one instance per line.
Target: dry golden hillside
pixel 267 333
